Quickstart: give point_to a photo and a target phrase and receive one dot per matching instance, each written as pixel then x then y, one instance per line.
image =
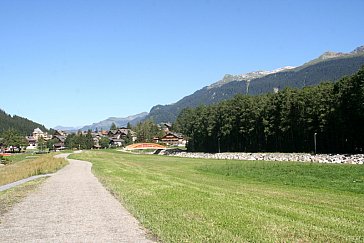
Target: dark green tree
pixel 51 143
pixel 128 138
pixel 113 126
pixel 128 125
pixel 104 142
pixel 146 130
pixel 41 144
pixel 88 140
pixel 11 138
pixel 284 122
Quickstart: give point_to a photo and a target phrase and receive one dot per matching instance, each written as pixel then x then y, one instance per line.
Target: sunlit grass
pixel 29 166
pixel 338 177
pixel 198 200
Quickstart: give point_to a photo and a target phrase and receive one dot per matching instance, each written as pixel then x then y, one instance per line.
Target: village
pixel 115 138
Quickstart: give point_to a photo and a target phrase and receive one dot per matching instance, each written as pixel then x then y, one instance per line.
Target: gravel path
pixel 71 206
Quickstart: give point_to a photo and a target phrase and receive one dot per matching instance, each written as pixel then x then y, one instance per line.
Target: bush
pixel 4 160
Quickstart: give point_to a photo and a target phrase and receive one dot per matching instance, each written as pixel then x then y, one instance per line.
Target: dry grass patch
pixel 29 167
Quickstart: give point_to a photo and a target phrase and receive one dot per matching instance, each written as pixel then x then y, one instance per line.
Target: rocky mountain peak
pixel 246 76
pixel 330 54
pixel 358 50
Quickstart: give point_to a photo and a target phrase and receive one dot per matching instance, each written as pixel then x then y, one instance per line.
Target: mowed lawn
pixel 198 200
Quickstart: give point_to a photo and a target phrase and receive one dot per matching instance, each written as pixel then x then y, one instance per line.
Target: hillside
pixel 330 66
pixel 119 122
pixel 20 124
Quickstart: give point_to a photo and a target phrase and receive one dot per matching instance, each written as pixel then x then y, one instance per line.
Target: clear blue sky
pixel 74 62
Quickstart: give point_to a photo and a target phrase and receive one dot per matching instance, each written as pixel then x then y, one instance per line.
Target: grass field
pixel 23 166
pixel 199 200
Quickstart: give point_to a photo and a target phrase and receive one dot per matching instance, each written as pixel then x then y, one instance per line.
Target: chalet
pixel 60 133
pixel 37 134
pixel 155 139
pixel 116 134
pixel 124 130
pixel 32 142
pixel 119 133
pixel 60 142
pixel 96 146
pixel 96 140
pixel 172 138
pixel 166 127
pixel 133 135
pixel 117 142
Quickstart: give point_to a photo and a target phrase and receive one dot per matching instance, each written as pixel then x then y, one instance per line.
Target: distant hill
pixel 119 122
pixel 62 128
pixel 22 125
pixel 330 66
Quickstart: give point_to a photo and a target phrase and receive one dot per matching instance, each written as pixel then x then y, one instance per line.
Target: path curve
pixel 71 206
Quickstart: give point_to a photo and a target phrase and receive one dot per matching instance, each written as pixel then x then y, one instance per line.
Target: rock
pixel 319 158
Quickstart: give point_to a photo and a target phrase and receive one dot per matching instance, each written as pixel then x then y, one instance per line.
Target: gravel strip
pixel 71 206
pixel 22 181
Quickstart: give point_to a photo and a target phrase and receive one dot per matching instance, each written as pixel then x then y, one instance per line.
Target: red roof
pixel 5 154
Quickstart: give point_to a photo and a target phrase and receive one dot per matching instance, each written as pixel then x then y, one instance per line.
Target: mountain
pixel 62 128
pixel 119 122
pixel 22 125
pixel 330 66
pixel 246 77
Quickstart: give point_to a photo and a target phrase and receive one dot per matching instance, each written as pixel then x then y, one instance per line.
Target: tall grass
pixel 29 167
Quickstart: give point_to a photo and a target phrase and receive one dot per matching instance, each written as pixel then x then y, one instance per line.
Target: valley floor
pixel 70 206
pixel 206 200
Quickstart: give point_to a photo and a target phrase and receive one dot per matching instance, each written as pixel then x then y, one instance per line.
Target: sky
pixel 75 62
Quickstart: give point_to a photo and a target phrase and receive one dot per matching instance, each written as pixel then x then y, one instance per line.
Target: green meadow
pixel 200 200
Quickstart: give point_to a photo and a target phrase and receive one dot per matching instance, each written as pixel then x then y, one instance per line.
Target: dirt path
pixel 71 206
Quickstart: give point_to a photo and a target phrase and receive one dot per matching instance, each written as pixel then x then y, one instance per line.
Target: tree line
pixel 309 74
pixel 288 121
pixel 21 125
pixel 79 141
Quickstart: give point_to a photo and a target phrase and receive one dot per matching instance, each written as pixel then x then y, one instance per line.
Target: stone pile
pixel 300 157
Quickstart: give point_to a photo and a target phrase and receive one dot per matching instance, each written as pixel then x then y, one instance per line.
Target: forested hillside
pixel 22 125
pixel 312 73
pixel 283 122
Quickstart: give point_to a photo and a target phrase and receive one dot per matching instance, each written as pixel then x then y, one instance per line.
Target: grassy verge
pixel 197 200
pixel 14 195
pixel 24 166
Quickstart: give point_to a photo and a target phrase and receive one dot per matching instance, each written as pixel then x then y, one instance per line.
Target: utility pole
pixel 314 140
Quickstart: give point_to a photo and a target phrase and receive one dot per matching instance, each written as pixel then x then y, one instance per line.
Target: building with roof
pixel 172 138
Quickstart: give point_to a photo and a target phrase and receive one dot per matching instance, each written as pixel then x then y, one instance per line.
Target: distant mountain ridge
pixel 335 55
pixel 330 66
pixel 246 77
pixel 119 122
pixel 62 128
